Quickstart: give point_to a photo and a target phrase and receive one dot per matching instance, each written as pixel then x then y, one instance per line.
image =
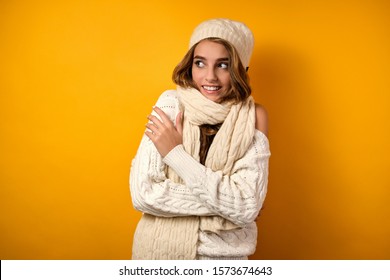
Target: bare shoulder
pixel 261 119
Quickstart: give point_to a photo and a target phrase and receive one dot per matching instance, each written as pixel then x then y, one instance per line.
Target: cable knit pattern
pixel 162 244
pixel 237 197
pixel 230 143
pixel 232 139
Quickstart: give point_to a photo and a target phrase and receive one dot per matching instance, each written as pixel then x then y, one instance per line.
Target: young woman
pixel 200 174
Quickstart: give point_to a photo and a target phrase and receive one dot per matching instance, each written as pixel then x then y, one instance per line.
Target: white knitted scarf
pixel 233 138
pixel 180 235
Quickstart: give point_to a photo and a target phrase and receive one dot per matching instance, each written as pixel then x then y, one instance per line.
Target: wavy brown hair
pixel 238 91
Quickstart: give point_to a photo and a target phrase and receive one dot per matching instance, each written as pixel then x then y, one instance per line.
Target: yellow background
pixel 77 79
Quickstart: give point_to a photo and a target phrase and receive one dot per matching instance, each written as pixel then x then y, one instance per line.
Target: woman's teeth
pixel 211 88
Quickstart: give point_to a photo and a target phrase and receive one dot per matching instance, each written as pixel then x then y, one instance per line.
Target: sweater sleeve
pixel 238 197
pixel 151 191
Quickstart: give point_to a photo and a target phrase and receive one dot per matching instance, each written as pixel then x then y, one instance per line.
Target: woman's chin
pixel 213 96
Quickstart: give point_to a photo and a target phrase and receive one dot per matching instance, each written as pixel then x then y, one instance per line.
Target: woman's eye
pixel 199 63
pixel 223 65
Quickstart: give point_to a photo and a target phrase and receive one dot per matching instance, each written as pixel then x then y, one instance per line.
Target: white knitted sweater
pixel 238 197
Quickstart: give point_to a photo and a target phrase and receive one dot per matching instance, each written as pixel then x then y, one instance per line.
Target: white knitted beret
pixel 237 33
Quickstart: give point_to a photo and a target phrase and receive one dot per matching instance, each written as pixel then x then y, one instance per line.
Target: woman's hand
pixel 164 135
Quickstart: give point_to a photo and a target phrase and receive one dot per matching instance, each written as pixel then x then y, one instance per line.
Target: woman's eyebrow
pixel 223 59
pixel 219 59
pixel 199 57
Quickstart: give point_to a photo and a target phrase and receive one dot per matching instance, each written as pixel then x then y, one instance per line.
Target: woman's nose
pixel 211 75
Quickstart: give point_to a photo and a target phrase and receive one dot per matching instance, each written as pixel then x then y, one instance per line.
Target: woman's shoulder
pixel 169 103
pixel 261 119
pixel 170 93
pixel 168 97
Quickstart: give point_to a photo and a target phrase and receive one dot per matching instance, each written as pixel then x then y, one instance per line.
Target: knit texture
pixel 235 32
pixel 237 198
pixel 166 238
pixel 230 143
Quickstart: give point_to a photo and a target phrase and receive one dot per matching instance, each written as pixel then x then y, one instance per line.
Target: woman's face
pixel 210 70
